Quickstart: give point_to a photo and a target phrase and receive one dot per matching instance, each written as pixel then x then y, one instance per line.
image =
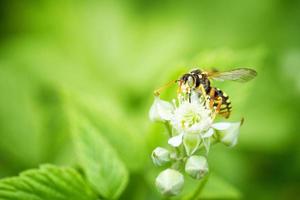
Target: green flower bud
pixel 196 167
pixel 169 182
pixel 160 156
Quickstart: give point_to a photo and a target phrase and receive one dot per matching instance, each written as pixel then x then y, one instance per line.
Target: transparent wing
pixel 239 75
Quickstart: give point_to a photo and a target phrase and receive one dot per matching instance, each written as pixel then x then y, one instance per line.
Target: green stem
pixel 169 129
pixel 199 189
pixel 170 135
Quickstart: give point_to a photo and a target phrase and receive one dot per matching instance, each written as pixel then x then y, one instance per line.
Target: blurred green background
pixel 109 56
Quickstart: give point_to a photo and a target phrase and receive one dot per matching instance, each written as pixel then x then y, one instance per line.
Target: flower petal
pixel 176 140
pixel 221 125
pixel 208 133
pixel 161 110
pixel 228 132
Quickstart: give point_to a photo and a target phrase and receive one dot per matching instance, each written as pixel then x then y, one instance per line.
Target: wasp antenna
pixel 156 93
pixel 159 90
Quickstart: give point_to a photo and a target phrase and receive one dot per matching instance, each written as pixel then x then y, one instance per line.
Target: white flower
pixel 196 167
pixel 160 110
pixel 192 122
pixel 169 182
pixel 191 117
pixel 160 156
pixel 227 132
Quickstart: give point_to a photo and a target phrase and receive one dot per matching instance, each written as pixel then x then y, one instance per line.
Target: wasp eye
pixel 190 81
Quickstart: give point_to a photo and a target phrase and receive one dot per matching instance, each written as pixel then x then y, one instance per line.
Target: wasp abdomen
pixel 222 102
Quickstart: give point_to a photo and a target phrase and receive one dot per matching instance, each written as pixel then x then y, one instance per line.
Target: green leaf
pixel 47 183
pixel 102 165
pixel 116 127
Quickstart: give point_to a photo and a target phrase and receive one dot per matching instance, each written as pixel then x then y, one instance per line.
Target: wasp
pixel 200 81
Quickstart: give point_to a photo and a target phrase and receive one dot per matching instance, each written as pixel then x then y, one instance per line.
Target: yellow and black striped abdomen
pixel 222 100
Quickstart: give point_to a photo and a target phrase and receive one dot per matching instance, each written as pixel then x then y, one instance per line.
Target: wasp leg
pixel 212 97
pixel 225 114
pixel 220 101
pixel 202 91
pixel 179 88
pixel 159 90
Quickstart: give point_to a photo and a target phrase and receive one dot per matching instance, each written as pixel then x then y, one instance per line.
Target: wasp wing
pixel 239 75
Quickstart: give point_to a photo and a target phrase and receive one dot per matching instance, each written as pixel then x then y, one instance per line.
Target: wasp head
pixel 188 79
pixel 194 79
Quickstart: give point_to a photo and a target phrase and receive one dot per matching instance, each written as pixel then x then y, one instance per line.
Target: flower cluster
pixel 190 122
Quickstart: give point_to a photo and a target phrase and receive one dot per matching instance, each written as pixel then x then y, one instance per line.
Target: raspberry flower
pixel 190 121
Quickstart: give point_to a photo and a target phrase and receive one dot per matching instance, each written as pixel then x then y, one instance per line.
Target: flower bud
pixel 196 167
pixel 160 156
pixel 228 132
pixel 169 182
pixel 160 110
